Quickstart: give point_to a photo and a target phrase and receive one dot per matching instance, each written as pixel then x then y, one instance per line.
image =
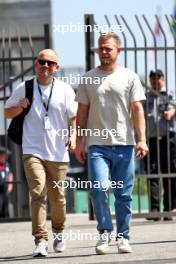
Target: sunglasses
pixel 49 63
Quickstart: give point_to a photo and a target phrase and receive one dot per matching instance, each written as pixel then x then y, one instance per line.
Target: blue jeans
pixel 118 161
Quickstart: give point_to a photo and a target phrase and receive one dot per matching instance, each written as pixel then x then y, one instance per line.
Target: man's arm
pixel 12 112
pixel 139 123
pixel 81 122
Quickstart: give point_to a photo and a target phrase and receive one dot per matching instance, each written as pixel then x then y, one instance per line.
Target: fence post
pixel 47 38
pixel 89 41
pixel 90 63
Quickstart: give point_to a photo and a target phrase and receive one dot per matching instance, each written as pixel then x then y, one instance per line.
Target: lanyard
pixel 46 106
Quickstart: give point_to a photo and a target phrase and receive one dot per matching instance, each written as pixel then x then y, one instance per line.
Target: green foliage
pixel 140 186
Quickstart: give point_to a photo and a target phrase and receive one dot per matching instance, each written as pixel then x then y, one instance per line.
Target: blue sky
pixel 70 46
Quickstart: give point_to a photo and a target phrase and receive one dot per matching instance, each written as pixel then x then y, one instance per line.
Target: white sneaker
pixel 41 249
pixel 102 246
pixel 59 242
pixel 124 246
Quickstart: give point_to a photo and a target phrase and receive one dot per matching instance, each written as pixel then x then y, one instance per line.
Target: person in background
pixel 6 182
pixel 160 111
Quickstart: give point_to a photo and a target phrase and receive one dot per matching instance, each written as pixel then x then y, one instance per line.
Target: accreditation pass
pixel 47 124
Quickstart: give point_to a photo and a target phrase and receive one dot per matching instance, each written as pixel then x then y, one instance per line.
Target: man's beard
pixel 45 74
pixel 105 61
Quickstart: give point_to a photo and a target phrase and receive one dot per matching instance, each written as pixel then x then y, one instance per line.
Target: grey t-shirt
pixel 155 114
pixel 109 95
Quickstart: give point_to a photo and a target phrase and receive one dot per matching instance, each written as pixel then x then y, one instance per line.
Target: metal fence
pixel 146 44
pixel 140 49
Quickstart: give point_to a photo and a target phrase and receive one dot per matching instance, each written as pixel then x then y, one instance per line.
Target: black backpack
pixel 15 129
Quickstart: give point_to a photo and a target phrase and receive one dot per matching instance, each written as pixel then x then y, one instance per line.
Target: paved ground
pixel 152 242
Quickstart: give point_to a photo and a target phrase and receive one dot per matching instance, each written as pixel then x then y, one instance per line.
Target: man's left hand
pixel 71 143
pixel 141 150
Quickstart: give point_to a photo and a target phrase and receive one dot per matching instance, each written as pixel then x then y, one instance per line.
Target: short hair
pixel 108 35
pixel 158 73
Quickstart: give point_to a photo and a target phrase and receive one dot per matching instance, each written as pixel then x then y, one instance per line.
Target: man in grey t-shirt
pixel 163 156
pixel 109 105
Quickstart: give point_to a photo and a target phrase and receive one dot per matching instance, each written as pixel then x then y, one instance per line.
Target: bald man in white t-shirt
pixel 45 150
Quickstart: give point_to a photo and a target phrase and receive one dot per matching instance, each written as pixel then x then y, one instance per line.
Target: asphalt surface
pixel 152 242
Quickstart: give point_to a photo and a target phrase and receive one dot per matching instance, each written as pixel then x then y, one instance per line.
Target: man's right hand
pixel 80 150
pixel 23 103
pixel 14 111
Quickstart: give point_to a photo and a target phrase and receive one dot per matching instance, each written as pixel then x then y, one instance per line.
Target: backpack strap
pixel 15 129
pixel 29 88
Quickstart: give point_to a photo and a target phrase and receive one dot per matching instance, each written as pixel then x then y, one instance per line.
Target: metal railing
pixel 17 56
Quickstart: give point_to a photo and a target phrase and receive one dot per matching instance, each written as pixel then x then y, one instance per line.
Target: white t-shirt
pixel 109 96
pixel 46 144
